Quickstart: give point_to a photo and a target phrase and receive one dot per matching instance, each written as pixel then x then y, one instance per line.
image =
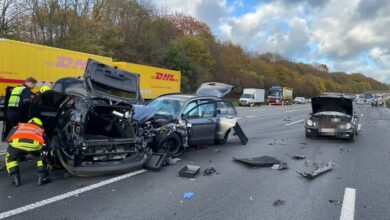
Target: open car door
pixel 45 107
pixel 203 120
pixel 4 116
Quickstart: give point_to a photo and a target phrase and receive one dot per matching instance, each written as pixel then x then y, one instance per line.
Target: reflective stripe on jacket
pixel 29 134
pixel 14 99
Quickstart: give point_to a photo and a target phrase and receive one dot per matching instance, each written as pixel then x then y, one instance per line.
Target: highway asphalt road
pixel 236 192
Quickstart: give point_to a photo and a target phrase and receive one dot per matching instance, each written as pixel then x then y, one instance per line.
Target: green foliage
pixel 135 31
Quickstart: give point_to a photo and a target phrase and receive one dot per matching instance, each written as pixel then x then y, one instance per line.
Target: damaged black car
pixel 94 124
pixel 332 116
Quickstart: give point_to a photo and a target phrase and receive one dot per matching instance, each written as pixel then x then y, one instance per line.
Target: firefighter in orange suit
pixel 27 138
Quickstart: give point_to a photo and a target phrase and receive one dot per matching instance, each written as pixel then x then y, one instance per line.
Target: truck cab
pixel 279 95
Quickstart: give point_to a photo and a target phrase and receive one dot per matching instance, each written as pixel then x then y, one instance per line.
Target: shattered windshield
pixel 166 106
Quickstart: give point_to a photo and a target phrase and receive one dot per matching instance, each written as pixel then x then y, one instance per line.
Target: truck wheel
pixel 224 140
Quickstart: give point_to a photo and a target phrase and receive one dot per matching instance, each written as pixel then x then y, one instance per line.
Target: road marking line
pixel 295 122
pixel 348 209
pixel 66 195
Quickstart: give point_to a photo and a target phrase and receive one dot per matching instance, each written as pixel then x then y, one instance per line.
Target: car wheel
pixel 308 135
pixel 224 140
pixel 172 144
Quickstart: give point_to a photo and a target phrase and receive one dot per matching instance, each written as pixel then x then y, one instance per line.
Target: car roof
pixel 185 97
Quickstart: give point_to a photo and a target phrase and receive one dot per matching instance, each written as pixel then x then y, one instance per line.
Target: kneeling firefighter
pixel 27 138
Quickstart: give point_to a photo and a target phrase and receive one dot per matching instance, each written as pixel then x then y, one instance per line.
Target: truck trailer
pixel 280 95
pixel 19 60
pixel 252 97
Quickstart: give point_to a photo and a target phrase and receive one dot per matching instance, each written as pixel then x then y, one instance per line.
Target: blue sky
pixel 348 35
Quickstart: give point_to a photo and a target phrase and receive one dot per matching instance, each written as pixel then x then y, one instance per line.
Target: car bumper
pixel 334 132
pixel 81 167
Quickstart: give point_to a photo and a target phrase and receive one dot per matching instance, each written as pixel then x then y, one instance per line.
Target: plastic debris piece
pixel 209 171
pixel 321 170
pixel 264 161
pixel 170 161
pixel 250 198
pixel 188 195
pixel 244 139
pixel 216 150
pixel 335 202
pixel 189 171
pixel 278 202
pixel 281 166
pixel 299 157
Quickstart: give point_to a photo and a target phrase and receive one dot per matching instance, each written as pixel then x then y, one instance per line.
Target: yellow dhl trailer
pixel 154 81
pixel 19 60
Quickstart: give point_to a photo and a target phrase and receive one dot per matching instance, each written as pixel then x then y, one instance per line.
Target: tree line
pixel 136 31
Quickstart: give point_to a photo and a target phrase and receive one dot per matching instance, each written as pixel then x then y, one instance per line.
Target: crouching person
pixel 27 138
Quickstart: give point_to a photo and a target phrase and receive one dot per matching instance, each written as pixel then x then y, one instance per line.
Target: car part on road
pixel 278 202
pixel 281 166
pixel 299 157
pixel 335 202
pixel 264 161
pixel 209 171
pixel 156 161
pixel 188 195
pixel 189 171
pixel 321 170
pixel 241 134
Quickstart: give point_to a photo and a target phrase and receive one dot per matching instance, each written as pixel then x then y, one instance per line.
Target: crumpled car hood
pixel 214 89
pixel 335 104
pixel 143 113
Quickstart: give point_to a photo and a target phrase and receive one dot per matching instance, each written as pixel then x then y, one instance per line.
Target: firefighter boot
pixel 15 179
pixel 43 179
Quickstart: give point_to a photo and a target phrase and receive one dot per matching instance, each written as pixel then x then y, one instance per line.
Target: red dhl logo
pixel 68 62
pixel 164 76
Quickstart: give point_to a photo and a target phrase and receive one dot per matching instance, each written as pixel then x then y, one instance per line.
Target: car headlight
pixel 348 126
pixel 309 122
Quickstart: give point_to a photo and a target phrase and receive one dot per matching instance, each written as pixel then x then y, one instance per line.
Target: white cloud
pixel 342 31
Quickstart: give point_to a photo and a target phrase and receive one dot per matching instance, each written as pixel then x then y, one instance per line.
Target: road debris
pixel 312 164
pixel 299 157
pixel 241 134
pixel 209 171
pixel 264 161
pixel 170 161
pixel 188 195
pixel 281 166
pixel 189 171
pixel 335 202
pixel 278 202
pixel 250 198
pixel 216 150
pixel 321 170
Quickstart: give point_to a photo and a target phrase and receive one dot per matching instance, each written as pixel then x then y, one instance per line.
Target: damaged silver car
pixel 198 119
pixel 93 124
pixel 332 116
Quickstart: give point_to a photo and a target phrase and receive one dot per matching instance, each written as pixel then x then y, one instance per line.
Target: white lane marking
pixel 295 122
pixel 66 195
pixel 361 115
pixel 2 152
pixel 278 113
pixel 348 209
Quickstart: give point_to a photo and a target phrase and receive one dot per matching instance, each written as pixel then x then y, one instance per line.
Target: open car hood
pixel 214 89
pixel 334 104
pixel 108 82
pixel 143 113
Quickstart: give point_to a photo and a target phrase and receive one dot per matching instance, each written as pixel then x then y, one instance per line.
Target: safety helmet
pixel 44 88
pixel 36 121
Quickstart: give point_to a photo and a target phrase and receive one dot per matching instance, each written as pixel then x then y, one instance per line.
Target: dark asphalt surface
pixel 236 192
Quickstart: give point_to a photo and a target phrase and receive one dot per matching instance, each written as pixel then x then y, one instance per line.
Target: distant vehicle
pixel 299 100
pixel 359 101
pixel 332 116
pixel 252 97
pixel 207 118
pixel 279 95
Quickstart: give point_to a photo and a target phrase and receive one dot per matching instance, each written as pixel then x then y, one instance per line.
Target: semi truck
pixel 19 60
pixel 252 97
pixel 280 95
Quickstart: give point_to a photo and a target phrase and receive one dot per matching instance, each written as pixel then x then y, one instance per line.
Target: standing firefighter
pixel 19 100
pixel 27 138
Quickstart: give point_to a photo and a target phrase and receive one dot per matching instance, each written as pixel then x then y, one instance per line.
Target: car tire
pixel 224 140
pixel 54 159
pixel 308 135
pixel 173 144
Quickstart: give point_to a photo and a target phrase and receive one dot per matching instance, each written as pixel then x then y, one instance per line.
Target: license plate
pixel 327 130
